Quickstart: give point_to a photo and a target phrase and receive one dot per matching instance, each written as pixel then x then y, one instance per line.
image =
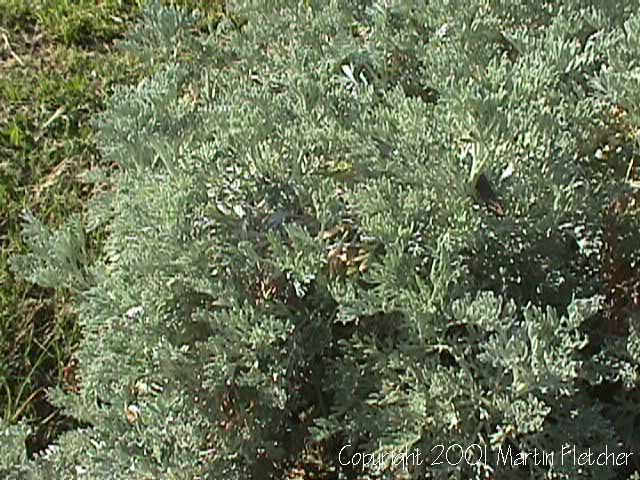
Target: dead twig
pixel 7 47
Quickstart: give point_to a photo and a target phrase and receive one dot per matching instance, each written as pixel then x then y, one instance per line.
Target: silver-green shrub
pixel 299 269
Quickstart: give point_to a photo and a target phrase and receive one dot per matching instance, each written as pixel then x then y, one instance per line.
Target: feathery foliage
pixel 299 268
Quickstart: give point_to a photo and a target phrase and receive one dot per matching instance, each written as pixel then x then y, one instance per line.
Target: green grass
pixel 58 65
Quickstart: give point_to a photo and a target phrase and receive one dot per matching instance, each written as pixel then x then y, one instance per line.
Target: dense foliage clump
pixel 303 264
